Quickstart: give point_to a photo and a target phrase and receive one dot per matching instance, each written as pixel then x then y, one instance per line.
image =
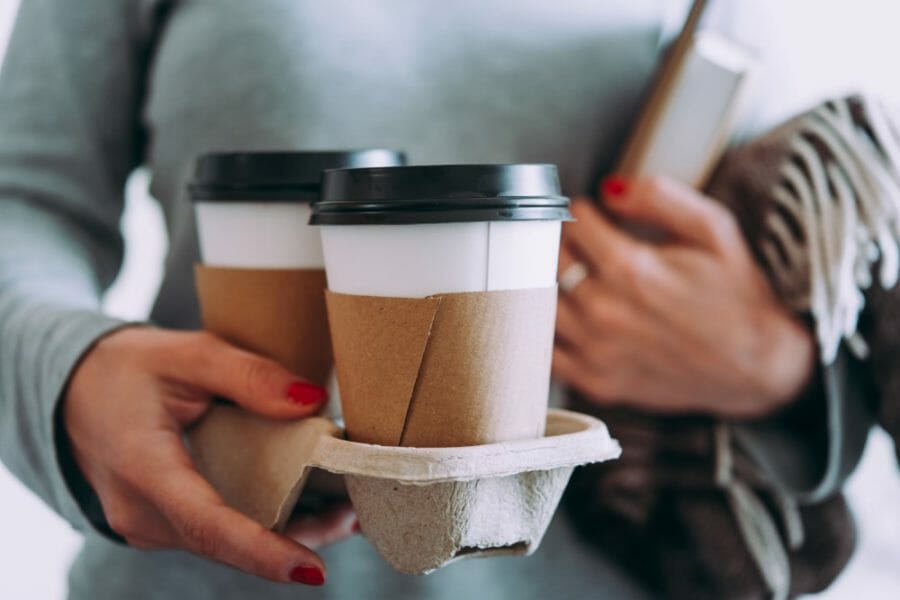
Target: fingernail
pixel 614 187
pixel 356 528
pixel 304 393
pixel 308 574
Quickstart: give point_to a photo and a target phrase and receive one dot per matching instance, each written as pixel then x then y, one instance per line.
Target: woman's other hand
pixel 126 409
pixel 686 325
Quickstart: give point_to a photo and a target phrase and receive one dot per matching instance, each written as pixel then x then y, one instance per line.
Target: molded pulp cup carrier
pixel 441 303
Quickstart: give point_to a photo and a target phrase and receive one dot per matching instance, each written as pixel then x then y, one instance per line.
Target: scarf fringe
pixel 842 186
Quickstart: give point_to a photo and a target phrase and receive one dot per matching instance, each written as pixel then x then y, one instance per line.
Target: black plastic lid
pixel 274 176
pixel 440 194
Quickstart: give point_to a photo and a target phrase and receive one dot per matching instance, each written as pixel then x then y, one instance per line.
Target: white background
pixel 845 44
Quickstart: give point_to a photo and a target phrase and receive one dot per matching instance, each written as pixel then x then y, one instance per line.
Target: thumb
pixel 678 209
pixel 254 382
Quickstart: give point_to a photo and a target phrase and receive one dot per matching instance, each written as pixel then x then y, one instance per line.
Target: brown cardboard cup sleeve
pixel 279 313
pixel 447 370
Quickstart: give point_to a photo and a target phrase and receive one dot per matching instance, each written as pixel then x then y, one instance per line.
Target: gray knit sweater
pixel 95 88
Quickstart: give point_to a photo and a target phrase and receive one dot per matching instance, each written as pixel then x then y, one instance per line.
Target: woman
pixel 92 409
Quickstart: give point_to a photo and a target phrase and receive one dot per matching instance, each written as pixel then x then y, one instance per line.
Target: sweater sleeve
pixel 69 138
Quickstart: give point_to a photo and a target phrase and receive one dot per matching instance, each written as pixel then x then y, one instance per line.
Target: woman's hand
pixel 125 412
pixel 686 325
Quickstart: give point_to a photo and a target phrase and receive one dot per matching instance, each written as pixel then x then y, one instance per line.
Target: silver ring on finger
pixel 572 277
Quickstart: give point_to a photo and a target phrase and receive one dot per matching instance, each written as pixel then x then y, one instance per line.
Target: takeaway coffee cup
pixel 261 279
pixel 252 208
pixel 442 299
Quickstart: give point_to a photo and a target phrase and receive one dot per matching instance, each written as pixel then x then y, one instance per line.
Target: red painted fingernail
pixel 614 187
pixel 308 574
pixel 302 392
pixel 356 528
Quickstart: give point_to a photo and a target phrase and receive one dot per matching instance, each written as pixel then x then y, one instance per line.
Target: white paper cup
pixel 252 208
pixel 416 231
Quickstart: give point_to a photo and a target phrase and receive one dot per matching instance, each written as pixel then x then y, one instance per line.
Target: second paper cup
pixel 262 277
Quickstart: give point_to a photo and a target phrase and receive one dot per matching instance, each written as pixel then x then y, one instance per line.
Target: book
pixel 689 115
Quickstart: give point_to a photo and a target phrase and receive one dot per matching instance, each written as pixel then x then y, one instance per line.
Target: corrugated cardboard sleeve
pixel 447 370
pixel 279 313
